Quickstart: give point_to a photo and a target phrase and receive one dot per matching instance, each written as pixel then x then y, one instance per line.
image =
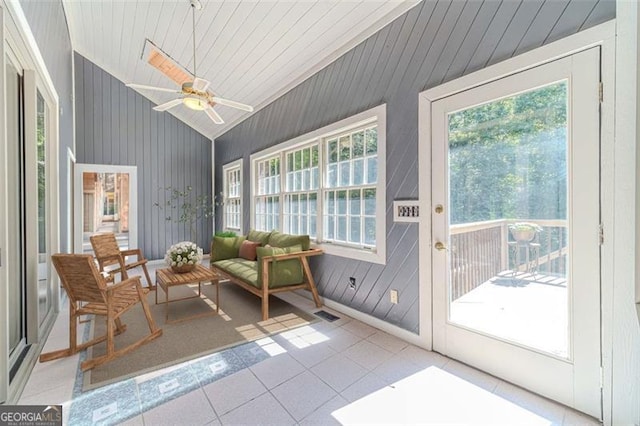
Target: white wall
pixel 625 377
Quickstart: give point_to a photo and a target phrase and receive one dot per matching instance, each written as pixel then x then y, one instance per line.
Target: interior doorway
pixel 105 201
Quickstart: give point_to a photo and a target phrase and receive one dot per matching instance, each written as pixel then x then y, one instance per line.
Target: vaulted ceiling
pixel 250 51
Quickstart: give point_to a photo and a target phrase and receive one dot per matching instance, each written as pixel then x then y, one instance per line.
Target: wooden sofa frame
pixel 265 291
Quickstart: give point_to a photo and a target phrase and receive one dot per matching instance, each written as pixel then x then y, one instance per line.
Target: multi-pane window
pixel 267 199
pixel 328 184
pixel 351 181
pixel 233 196
pixel 301 191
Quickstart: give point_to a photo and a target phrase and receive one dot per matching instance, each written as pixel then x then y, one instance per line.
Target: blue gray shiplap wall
pixel 49 27
pixel 435 42
pixel 116 125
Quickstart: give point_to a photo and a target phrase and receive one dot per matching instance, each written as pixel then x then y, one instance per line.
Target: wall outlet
pixel 393 295
pixel 352 283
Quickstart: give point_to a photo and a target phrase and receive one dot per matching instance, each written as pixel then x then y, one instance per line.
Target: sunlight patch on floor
pixel 304 337
pixel 270 346
pixel 433 396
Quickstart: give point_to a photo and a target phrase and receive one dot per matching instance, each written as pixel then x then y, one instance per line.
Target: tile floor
pixel 342 372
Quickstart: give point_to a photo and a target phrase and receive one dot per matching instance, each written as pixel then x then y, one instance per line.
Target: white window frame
pixel 267 193
pixel 286 193
pixel 377 115
pixel 232 166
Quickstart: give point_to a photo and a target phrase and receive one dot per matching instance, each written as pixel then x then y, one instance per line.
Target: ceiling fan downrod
pixel 195 4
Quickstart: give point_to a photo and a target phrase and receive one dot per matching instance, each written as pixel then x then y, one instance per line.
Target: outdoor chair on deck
pixel 108 253
pixel 89 293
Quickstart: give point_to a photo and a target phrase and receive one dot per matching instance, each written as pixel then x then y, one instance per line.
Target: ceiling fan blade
pixel 214 116
pixel 200 84
pixel 159 89
pixel 232 104
pixel 167 105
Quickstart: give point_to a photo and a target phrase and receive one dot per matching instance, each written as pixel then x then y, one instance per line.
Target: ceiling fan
pixel 194 94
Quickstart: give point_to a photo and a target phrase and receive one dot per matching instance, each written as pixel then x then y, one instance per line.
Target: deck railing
pixel 481 251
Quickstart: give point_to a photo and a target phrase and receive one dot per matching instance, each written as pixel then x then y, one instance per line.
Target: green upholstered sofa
pixel 280 263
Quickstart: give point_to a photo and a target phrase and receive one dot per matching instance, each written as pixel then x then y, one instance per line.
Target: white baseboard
pixel 394 330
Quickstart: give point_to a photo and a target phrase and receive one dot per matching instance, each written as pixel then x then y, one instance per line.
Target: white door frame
pixel 573 378
pixel 602 35
pixel 4 288
pixel 78 213
pixel 16 33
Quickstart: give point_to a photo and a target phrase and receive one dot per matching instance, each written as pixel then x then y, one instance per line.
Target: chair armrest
pixel 132 252
pixel 296 255
pixel 133 281
pixel 118 258
pixel 300 256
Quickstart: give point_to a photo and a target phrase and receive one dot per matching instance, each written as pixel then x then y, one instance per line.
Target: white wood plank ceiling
pixel 250 51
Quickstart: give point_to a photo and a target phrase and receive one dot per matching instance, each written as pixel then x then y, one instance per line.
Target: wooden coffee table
pixel 166 278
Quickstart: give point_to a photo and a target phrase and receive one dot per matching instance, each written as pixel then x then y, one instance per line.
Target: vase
pixel 525 235
pixel 183 269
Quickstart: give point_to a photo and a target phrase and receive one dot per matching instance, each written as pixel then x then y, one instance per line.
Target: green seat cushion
pixel 225 248
pixel 259 237
pixel 281 272
pixel 278 239
pixel 241 268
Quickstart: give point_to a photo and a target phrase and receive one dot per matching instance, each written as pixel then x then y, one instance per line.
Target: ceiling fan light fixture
pixel 194 103
pixel 194 93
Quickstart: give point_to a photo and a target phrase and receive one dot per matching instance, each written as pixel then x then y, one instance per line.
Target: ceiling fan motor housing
pixel 187 88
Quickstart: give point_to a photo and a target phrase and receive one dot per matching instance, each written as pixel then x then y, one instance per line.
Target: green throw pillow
pixel 223 248
pixel 281 272
pixel 278 239
pixel 259 237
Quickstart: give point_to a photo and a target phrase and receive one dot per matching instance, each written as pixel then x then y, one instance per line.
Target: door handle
pixel 440 246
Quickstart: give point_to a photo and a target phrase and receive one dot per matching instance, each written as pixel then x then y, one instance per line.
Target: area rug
pixel 239 321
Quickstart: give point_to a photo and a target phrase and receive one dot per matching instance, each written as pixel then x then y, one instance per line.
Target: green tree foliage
pixel 508 158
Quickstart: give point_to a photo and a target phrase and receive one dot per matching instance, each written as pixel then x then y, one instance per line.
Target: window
pixel 350 198
pixel 301 191
pixel 329 184
pixel 267 201
pixel 232 212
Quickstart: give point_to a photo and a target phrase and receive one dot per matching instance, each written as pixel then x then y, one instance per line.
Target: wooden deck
pixel 530 309
pixel 482 250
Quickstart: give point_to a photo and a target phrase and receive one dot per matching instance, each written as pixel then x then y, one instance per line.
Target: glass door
pixel 516 245
pixel 508 218
pixel 15 260
pixel 28 204
pixel 45 290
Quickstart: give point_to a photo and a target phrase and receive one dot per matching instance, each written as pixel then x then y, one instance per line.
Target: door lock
pixel 439 209
pixel 440 246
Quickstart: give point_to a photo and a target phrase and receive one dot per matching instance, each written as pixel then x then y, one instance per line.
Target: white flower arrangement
pixel 184 253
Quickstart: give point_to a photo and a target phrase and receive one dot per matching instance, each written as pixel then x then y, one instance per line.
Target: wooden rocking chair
pixel 89 293
pixel 108 253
